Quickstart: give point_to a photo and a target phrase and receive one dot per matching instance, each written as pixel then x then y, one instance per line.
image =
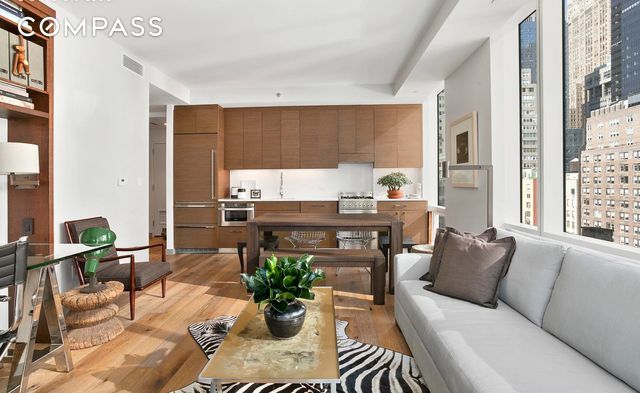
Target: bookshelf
pixel 33 126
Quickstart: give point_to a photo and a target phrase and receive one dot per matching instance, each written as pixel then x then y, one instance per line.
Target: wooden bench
pixel 333 257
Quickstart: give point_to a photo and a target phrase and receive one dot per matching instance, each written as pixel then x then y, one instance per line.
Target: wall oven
pixel 235 214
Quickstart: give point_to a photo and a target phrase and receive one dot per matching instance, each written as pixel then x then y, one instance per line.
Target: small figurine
pixel 20 62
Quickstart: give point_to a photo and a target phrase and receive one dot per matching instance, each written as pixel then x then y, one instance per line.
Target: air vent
pixel 132 65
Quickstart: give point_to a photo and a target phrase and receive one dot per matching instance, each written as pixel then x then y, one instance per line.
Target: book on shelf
pixel 15 96
pixel 12 5
pixel 12 88
pixel 13 101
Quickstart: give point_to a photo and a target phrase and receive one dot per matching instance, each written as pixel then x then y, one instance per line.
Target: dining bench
pixel 335 257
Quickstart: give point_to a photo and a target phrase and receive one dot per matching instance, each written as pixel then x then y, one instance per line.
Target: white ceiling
pixel 227 44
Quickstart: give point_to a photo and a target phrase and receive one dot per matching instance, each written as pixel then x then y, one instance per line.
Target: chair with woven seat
pixel 134 276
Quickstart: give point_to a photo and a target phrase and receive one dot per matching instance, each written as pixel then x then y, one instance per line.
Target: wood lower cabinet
pixel 229 237
pixel 414 216
pixel 322 207
pixel 195 237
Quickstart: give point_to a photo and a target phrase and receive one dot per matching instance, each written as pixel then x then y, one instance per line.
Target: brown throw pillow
pixel 471 269
pixel 488 235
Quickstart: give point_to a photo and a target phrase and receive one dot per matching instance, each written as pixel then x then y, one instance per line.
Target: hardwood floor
pixel 155 353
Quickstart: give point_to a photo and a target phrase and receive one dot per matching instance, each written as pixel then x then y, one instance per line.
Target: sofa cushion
pixel 146 273
pixel 595 308
pixel 533 272
pixel 482 350
pixel 471 269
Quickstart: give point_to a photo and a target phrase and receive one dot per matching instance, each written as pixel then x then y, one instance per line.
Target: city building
pixel 572 198
pixel 610 173
pixel 529 192
pixel 574 139
pixel 588 44
pixel 598 89
pixel 529 120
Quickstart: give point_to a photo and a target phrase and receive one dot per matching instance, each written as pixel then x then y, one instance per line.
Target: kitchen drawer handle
pixel 401 206
pixel 202 226
pixel 194 206
pixel 318 205
pixel 237 231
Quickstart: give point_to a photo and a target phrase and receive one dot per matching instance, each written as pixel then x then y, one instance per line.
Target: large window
pixel 442 154
pixel 529 142
pixel 602 119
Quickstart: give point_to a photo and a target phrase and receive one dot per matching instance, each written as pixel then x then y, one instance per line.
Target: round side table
pixel 422 249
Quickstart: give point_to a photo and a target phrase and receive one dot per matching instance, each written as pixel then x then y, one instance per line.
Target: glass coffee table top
pixel 41 255
pixel 250 354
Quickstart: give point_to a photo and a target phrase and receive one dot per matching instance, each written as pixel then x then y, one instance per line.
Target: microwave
pixel 235 214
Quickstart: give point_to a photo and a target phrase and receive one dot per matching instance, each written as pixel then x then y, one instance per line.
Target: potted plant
pixel 279 285
pixel 394 182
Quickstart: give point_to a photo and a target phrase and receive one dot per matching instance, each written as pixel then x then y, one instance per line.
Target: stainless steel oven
pixel 235 214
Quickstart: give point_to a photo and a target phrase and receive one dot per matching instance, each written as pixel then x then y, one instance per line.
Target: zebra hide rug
pixel 364 368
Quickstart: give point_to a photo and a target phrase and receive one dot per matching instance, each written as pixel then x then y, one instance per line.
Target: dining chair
pixel 135 276
pixel 301 239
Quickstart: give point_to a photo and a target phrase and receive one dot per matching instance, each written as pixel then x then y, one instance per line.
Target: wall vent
pixel 132 65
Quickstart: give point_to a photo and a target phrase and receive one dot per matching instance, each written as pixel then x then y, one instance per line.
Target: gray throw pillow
pixel 488 235
pixel 471 269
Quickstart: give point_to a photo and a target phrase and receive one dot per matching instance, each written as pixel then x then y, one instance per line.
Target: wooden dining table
pixel 327 222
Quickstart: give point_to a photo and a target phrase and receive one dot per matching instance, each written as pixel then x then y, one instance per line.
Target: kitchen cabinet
pixel 271 137
pixel 197 119
pixel 413 214
pixel 199 177
pixel 398 137
pixel 319 138
pixel 290 139
pixel 322 207
pixel 252 139
pixel 356 135
pixel 234 139
pixel 229 237
pixel 194 176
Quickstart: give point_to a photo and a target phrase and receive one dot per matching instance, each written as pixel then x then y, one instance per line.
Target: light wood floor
pixel 155 353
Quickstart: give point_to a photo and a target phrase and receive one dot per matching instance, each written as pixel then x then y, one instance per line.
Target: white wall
pixel 101 134
pixel 321 183
pixel 468 89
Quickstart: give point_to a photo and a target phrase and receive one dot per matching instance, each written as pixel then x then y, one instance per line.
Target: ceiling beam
pixel 431 29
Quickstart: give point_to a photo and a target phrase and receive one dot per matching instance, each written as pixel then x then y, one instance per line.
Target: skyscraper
pixel 630 48
pixel 589 47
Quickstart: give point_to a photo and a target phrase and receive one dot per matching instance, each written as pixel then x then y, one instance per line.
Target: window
pixel 601 88
pixel 529 141
pixel 442 153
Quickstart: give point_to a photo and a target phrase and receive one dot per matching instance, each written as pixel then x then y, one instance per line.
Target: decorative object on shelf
pixel 92 317
pixel 22 163
pixel 242 193
pixel 95 237
pixel 463 134
pixel 279 284
pixel 20 62
pixel 256 194
pixel 394 182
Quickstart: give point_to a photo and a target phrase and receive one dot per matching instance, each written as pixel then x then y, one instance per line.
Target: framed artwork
pixel 256 194
pixel 463 134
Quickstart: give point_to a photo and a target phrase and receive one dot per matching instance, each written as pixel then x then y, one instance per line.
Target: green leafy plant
pixel 394 181
pixel 282 281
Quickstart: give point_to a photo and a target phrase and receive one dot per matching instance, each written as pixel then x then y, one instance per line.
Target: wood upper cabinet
pixel 234 139
pixel 319 138
pixel 356 135
pixel 197 119
pixel 290 139
pixel 271 139
pixel 253 139
pixel 398 137
pixel 194 167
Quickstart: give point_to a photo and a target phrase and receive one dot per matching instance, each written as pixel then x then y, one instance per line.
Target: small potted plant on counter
pixel 394 182
pixel 279 285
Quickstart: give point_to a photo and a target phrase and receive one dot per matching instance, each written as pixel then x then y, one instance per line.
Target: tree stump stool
pixel 91 319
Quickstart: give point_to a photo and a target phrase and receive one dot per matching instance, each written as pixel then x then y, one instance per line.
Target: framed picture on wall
pixel 463 134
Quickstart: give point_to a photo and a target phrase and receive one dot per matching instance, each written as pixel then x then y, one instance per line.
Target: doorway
pixel 157 172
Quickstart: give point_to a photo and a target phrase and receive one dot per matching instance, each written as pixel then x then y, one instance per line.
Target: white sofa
pixel 568 321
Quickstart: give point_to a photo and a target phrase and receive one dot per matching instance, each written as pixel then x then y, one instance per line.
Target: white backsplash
pixel 320 183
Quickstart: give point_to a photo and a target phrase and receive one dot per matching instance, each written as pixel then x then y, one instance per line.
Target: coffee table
pixel 250 354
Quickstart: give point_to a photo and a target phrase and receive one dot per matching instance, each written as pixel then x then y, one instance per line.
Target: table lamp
pixel 19 159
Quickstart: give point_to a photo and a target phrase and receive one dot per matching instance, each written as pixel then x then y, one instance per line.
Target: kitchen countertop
pixel 276 199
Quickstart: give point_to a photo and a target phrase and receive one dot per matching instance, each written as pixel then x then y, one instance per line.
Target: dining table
pixel 327 222
pixel 42 332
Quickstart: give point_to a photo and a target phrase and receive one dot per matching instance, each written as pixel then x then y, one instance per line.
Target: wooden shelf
pixel 8 111
pixel 12 27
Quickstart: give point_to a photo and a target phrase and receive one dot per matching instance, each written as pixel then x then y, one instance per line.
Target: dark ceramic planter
pixel 287 324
